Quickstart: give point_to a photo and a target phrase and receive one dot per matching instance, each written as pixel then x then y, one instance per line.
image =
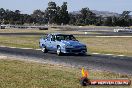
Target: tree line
pixel 59 15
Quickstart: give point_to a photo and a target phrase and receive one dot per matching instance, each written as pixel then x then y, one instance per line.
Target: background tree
pixel 99 21
pixel 124 19
pixel 51 12
pixel 64 16
pixel 2 15
pixel 86 17
pixel 72 19
pixel 38 17
pixel 108 21
pixel 59 14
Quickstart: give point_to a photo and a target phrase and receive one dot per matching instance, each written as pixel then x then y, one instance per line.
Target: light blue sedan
pixel 62 44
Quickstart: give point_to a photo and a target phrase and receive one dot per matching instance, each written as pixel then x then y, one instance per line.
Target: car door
pixel 53 43
pixel 48 41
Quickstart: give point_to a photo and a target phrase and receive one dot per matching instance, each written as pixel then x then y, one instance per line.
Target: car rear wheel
pixel 44 50
pixel 59 53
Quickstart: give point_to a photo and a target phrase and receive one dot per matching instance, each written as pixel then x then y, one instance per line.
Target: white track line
pixel 95 53
pixel 108 54
pixel 37 49
pixel 26 48
pixel 121 55
pixel 3 46
pixel 3 57
pixel 13 47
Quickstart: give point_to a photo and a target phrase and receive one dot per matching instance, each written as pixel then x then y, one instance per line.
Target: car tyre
pixel 44 50
pixel 59 53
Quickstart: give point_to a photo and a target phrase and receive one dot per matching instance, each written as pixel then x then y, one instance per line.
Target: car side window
pixel 48 37
pixel 52 38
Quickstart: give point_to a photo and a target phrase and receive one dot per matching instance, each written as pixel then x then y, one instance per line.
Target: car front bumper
pixel 74 50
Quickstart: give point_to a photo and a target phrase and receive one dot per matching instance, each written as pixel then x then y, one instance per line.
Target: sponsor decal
pixel 85 81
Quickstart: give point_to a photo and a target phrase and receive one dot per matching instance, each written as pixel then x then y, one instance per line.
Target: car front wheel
pixel 59 53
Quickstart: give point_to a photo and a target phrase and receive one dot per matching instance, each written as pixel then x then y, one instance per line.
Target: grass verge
pixel 20 41
pixel 108 45
pixel 20 74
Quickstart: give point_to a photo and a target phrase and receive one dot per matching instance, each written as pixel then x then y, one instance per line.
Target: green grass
pixel 94 44
pixel 20 41
pixel 108 45
pixel 20 74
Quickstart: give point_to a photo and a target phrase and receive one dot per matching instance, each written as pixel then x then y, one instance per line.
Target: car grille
pixel 75 50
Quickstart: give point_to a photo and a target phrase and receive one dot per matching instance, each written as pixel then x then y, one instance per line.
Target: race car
pixel 62 44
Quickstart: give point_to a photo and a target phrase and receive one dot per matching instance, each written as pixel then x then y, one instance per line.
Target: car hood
pixel 71 42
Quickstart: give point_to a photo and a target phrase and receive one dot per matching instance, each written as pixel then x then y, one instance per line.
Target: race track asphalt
pixel 118 64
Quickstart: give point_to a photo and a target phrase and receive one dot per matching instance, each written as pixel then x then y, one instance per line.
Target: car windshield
pixel 65 37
